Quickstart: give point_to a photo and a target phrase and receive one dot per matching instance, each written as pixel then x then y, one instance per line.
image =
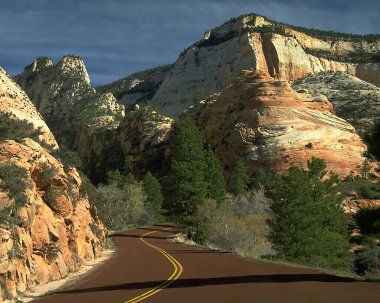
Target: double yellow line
pixel 174 276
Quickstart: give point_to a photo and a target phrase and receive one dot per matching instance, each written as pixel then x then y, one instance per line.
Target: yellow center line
pixel 174 276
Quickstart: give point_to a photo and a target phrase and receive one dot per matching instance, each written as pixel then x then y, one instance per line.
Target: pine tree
pixel 240 179
pixel 216 188
pixel 185 186
pixel 308 224
pixel 155 199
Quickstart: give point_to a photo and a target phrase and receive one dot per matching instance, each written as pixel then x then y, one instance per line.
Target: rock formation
pixel 63 94
pixel 269 125
pixel 47 226
pixel 354 100
pixel 254 42
pixel 136 88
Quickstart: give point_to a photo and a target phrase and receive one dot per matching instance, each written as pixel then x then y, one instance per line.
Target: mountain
pixel 48 227
pixel 266 123
pixel 253 42
pixel 63 95
pixel 138 87
pixel 355 100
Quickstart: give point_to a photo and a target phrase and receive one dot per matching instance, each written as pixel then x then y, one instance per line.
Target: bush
pixel 368 220
pixel 14 181
pixel 368 262
pixel 238 224
pixel 12 128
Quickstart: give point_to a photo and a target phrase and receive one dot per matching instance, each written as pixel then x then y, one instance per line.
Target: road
pixel 148 268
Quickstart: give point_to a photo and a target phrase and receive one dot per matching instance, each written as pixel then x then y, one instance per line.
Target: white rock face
pixel 211 64
pixel 64 96
pixel 14 101
pixel 354 100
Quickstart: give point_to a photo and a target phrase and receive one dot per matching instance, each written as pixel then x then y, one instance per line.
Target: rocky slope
pixel 355 100
pixel 254 42
pixel 47 226
pixel 63 94
pixel 136 88
pixel 269 125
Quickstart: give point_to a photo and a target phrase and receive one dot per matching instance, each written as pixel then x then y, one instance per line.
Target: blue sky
pixel 119 37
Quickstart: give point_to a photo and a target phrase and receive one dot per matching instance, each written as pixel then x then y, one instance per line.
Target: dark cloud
pixel 118 37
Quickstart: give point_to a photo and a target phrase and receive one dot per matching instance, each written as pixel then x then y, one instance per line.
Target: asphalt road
pixel 149 268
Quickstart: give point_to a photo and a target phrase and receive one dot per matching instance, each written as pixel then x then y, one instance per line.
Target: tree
pixel 308 224
pixel 185 186
pixel 155 199
pixel 240 179
pixel 373 140
pixel 216 188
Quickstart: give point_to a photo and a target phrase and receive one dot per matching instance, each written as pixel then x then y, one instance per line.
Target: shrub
pixel 14 181
pixel 12 128
pixel 238 224
pixel 367 262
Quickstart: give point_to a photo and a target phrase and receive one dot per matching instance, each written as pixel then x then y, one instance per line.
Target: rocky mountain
pixel 268 124
pixel 355 100
pixel 47 225
pixel 63 94
pixel 254 42
pixel 138 87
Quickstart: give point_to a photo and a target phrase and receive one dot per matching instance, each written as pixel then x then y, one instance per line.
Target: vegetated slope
pixel 47 225
pixel 63 95
pixel 354 100
pixel 269 125
pixel 138 87
pixel 255 42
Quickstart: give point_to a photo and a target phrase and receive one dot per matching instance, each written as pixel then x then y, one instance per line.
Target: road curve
pixel 148 268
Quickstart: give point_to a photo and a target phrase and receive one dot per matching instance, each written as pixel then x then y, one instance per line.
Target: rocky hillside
pixel 269 125
pixel 63 94
pixel 254 42
pixel 354 100
pixel 47 225
pixel 138 87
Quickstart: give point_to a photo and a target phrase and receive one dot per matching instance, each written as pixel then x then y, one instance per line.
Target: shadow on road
pixel 137 236
pixel 279 278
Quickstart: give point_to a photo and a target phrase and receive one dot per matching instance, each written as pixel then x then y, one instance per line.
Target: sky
pixel 118 37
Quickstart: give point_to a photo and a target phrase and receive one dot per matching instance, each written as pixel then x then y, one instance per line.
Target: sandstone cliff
pixel 354 100
pixel 137 88
pixel 254 42
pixel 63 94
pixel 269 125
pixel 47 225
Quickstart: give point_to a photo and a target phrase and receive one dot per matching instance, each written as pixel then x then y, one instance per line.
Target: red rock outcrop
pixel 47 225
pixel 268 124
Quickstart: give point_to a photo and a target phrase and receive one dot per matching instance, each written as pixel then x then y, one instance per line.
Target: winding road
pixel 148 268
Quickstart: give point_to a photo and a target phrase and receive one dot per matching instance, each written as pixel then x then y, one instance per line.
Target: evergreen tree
pixel 186 187
pixel 308 223
pixel 216 188
pixel 373 140
pixel 155 199
pixel 240 179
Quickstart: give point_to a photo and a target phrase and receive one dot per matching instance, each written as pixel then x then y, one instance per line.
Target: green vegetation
pixel 13 180
pixel 240 179
pixel 12 128
pixel 353 57
pixel 193 168
pixel 308 224
pixel 372 139
pixel 155 198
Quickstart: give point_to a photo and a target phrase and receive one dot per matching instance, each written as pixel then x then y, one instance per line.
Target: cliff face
pixel 47 226
pixel 354 100
pixel 63 95
pixel 254 42
pixel 136 88
pixel 269 125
